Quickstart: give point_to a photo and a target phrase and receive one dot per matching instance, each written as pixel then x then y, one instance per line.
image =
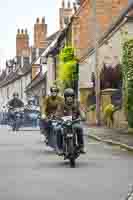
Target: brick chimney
pixel 40 33
pixel 22 43
pixel 65 14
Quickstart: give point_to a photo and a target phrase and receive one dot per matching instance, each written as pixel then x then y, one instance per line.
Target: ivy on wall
pixel 128 79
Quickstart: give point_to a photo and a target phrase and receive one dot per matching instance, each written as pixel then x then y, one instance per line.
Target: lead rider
pixel 72 108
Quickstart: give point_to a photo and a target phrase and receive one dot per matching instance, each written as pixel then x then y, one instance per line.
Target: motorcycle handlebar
pixel 18 109
pixel 61 121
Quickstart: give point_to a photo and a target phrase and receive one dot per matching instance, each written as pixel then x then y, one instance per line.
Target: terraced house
pixel 23 73
pixel 21 70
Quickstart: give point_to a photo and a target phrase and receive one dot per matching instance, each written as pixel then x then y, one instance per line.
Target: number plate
pixel 66 118
pixel 54 123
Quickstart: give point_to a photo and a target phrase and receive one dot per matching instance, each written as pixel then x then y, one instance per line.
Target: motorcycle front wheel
pixel 15 126
pixel 71 153
pixel 72 163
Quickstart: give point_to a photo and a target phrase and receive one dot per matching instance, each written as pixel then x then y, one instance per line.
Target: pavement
pixel 31 171
pixel 118 137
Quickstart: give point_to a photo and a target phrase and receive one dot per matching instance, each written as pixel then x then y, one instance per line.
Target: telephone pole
pixel 97 74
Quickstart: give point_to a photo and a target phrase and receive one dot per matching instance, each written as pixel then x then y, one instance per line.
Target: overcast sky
pixel 16 14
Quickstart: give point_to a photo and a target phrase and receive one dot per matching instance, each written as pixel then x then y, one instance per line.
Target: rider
pixel 50 107
pixel 15 102
pixel 31 105
pixel 72 107
pixel 32 112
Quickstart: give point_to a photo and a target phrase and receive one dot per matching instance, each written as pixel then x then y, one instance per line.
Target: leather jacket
pixel 16 103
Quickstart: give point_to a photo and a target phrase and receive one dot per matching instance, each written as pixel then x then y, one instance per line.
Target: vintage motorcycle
pixel 17 117
pixel 31 118
pixel 71 149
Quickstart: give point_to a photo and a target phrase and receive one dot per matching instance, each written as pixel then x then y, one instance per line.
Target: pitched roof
pixel 49 40
pixel 12 76
pixel 57 37
pixel 40 77
pixel 15 75
pixel 3 75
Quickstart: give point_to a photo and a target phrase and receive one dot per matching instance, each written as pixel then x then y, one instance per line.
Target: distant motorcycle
pixel 17 115
pixel 31 117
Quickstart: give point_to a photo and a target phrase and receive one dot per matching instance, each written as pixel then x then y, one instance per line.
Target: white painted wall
pixel 15 87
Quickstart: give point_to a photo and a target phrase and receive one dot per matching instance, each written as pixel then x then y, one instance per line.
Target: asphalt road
pixel 31 171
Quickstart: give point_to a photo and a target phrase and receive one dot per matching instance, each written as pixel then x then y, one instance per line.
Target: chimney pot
pixel 63 4
pixel 43 20
pixel 22 31
pixel 26 31
pixel 37 20
pixel 18 31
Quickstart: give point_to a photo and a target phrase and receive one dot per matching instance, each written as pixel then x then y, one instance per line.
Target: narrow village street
pixel 66 71
pixel 30 170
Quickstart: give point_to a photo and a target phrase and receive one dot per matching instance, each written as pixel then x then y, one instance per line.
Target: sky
pixel 16 14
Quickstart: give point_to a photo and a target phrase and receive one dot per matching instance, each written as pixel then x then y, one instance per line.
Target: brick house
pixel 110 53
pixel 82 21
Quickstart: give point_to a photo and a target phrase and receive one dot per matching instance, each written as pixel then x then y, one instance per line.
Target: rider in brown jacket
pixel 50 107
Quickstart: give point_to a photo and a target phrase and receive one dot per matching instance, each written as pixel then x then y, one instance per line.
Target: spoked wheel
pixel 72 163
